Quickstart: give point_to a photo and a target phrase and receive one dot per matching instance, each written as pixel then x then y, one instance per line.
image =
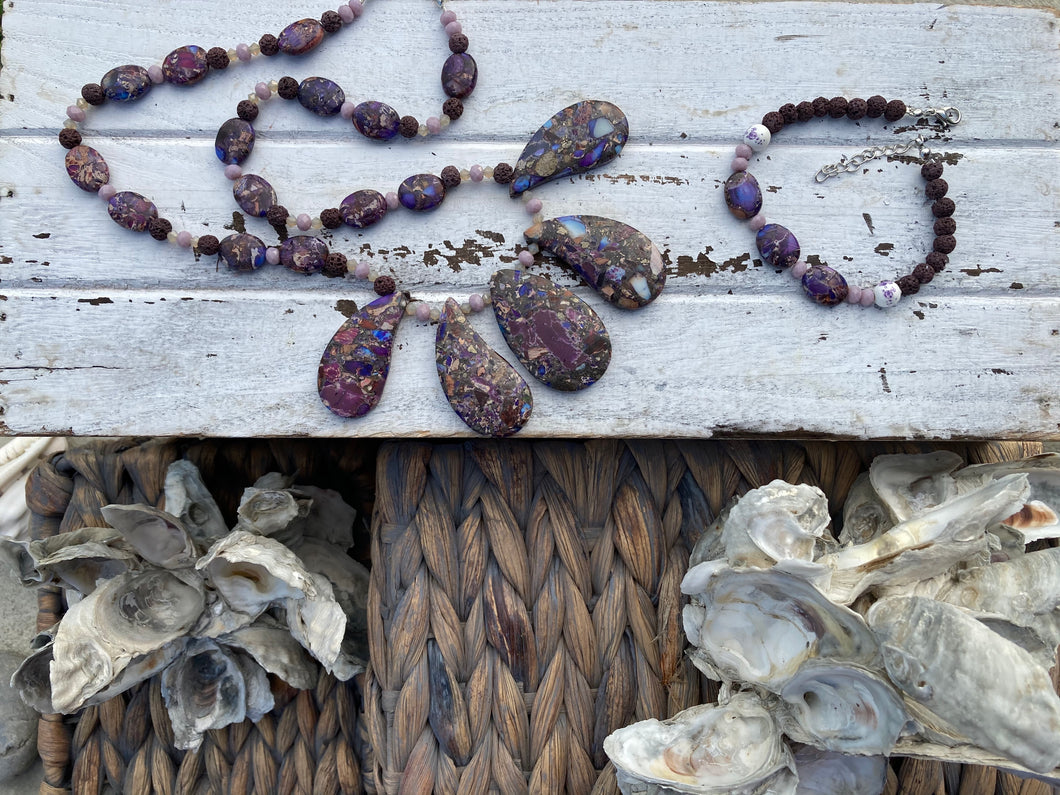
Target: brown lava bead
pixel 945 226
pixel 875 106
pixel 384 285
pixel 837 107
pixel 331 218
pixel 269 44
pixel 857 108
pixel 909 285
pixel 894 111
pixel 932 170
pixel 277 216
pixel 458 43
pixel 450 177
pixel 805 111
pixel 159 228
pixel 287 87
pixel 69 137
pixel 93 93
pixel 335 265
pixel 773 122
pixel 209 245
pixel 331 22
pixel 453 108
pixel 944 244
pixel 936 260
pixel 924 273
pixel 409 126
pixel 503 173
pixel 789 113
pixel 943 208
pixel 936 189
pixel 217 58
pixel 247 110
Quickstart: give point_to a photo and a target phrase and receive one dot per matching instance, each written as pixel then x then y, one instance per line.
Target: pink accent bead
pixel 262 91
pixel 347 109
pixel 526 259
pixel 475 302
pixel 423 312
pixel 798 270
pixel 533 206
pixel 305 223
pixel 853 294
pixel 868 296
pixel 362 269
pixel 243 52
pixel 739 164
pixel 106 192
pixel 744 151
pixel 184 239
pixel 346 13
pixel 757 222
pixel 272 255
pixel 476 173
pixel 357 7
pixel 233 172
pixel 392 201
pixel 75 113
pixel 453 28
pixel 447 17
pixel 154 71
pixel 433 125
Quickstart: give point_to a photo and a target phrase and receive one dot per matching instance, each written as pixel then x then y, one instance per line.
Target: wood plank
pixel 103 330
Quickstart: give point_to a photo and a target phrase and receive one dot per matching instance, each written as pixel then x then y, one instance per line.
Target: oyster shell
pixel 775 522
pixel 945 661
pixel 272 647
pixel 830 773
pixel 32 679
pixel 158 537
pixel 865 516
pixel 350 581
pixel 710 749
pixel 203 690
pixel 270 512
pixel 78 559
pixel 319 624
pixel 912 484
pixel 189 500
pixel 1040 516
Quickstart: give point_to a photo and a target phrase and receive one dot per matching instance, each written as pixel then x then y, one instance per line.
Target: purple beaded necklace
pixel 779 247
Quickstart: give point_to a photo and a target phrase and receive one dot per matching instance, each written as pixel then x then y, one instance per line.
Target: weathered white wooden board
pixel 106 332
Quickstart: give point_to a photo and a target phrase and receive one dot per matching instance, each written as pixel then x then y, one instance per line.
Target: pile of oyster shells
pixel 926 628
pixel 213 611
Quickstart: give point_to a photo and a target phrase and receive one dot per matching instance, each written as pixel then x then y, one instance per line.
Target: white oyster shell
pixel 865 516
pixel 158 537
pixel 1040 516
pixel 189 500
pixel 319 624
pixel 776 522
pixel 203 690
pixel 78 559
pixel 830 773
pixel 270 511
pixel 991 692
pixel 32 678
pixel 273 648
pixel 911 484
pixel 711 749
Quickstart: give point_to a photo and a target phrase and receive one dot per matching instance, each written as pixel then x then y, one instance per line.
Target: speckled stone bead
pixel 824 285
pixel 87 168
pixel 242 252
pixel 234 142
pixel 742 195
pixel 363 208
pixel 421 192
pixel 777 245
pixel 254 195
pixel 300 37
pixel 376 120
pixel 321 96
pixel 185 66
pixel 126 83
pixel 131 210
pixel 304 253
pixel 459 75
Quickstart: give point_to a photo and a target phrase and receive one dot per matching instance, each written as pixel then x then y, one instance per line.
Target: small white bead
pixel 487 172
pixel 233 55
pixel 254 98
pixel 465 175
pixel 255 49
pixel 444 121
pixel 82 103
pixel 435 315
pixel 422 131
pixel 373 274
pixel 887 294
pixel 316 223
pixel 70 124
pixel 171 237
pixel 292 222
pixel 410 309
pixel 274 86
pixel 757 137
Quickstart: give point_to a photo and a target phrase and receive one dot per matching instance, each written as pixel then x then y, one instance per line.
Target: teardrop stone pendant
pixel 616 260
pixel 555 334
pixel 575 140
pixel 356 361
pixel 484 390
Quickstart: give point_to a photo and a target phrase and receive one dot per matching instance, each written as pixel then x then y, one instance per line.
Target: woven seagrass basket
pixel 524 602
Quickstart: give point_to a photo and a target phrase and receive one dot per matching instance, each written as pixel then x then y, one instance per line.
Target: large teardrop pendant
pixel 557 336
pixel 482 387
pixel 356 361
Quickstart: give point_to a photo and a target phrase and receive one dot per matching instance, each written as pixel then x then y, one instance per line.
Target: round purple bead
pixel 185 66
pixel 777 245
pixel 304 253
pixel 825 285
pixel 243 252
pixel 421 192
pixel 376 120
pixel 363 208
pixel 742 195
pixel 321 96
pixel 125 83
pixel 131 210
pixel 459 75
pixel 254 195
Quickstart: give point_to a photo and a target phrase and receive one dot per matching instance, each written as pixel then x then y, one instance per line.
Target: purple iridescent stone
pixel 777 245
pixel 616 260
pixel 185 66
pixel 825 285
pixel 356 361
pixel 301 36
pixel 376 120
pixel 234 142
pixel 421 192
pixel 131 210
pixel 87 168
pixel 321 96
pixel 557 336
pixel 304 254
pixel 363 208
pixel 254 195
pixel 484 390
pixel 575 140
pixel 743 195
pixel 125 83
pixel 242 252
pixel 459 75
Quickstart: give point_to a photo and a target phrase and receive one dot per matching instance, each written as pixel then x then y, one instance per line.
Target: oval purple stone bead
pixel 376 120
pixel 243 252
pixel 459 75
pixel 131 210
pixel 421 192
pixel 235 141
pixel 125 83
pixel 321 96
pixel 254 195
pixel 825 285
pixel 363 208
pixel 185 66
pixel 301 36
pixel 304 254
pixel 743 195
pixel 87 168
pixel 777 245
